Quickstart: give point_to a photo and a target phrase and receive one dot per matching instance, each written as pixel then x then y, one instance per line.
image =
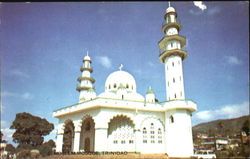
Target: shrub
pixel 23 154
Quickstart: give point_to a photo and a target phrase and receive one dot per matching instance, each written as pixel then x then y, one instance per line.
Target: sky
pixel 43 44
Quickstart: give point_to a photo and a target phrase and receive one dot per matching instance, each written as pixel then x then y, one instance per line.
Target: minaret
pixel 172 55
pixel 85 88
pixel 178 134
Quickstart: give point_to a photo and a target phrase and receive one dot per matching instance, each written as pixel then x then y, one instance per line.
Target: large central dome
pixel 120 79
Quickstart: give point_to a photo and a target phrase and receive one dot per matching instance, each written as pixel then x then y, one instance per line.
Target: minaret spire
pixel 169 4
pixel 86 88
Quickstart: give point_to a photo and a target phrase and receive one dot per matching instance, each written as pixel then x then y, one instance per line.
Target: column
pixel 59 138
pixel 77 135
pixel 138 139
pixel 101 139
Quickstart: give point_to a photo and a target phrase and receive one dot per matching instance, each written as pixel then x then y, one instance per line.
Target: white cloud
pixel 25 95
pixel 233 60
pixel 235 110
pixel 204 115
pixel 7 134
pixel 213 10
pixel 200 5
pixel 3 123
pixel 1 108
pixel 138 71
pixel 151 64
pixel 226 111
pixel 104 61
pixel 198 12
pixel 19 74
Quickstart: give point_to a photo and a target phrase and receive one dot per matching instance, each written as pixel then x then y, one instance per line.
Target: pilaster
pixel 77 134
pixel 59 138
pixel 101 139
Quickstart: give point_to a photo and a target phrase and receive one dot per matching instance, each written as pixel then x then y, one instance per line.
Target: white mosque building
pixel 121 119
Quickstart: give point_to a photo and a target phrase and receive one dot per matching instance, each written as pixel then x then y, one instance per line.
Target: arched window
pixel 87 128
pixel 159 131
pixel 171 119
pixel 109 86
pixel 173 64
pixel 181 94
pixel 115 85
pixel 144 131
pixel 168 83
pixel 173 80
pixel 126 85
pixel 152 126
pixel 180 78
pixel 171 45
pixel 174 95
pixel 122 96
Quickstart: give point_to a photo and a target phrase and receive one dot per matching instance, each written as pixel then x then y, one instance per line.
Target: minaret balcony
pixel 80 88
pixel 86 78
pixel 86 69
pixel 168 53
pixel 168 13
pixel 86 60
pixel 166 26
pixel 163 42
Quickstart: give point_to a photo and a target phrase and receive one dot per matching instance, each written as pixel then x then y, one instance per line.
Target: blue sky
pixel 43 44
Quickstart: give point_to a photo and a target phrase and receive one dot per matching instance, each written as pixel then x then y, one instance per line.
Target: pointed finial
pixel 87 53
pixel 168 3
pixel 149 88
pixel 121 66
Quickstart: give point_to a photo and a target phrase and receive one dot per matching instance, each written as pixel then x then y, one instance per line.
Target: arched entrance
pixel 87 144
pixel 152 131
pixel 121 135
pixel 68 137
pixel 87 135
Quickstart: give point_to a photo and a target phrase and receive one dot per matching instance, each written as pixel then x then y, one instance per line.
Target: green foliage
pixel 222 126
pixel 1 138
pixel 24 154
pixel 30 129
pixel 245 127
pixel 10 148
pixel 46 149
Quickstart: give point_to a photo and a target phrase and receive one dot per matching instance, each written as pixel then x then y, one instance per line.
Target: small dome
pixel 120 79
pixel 87 58
pixel 170 9
pixel 150 92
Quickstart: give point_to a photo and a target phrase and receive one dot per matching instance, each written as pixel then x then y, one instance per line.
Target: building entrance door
pixel 87 145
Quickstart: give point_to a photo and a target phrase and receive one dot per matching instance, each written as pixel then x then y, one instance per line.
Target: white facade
pixel 120 119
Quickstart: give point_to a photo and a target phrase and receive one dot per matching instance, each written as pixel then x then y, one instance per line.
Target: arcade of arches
pixel 120 136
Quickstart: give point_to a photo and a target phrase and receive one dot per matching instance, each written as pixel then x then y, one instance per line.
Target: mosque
pixel 121 119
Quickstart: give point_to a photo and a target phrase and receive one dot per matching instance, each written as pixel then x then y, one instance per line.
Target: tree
pixel 245 127
pixel 1 138
pixel 30 130
pixel 10 148
pixel 47 148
